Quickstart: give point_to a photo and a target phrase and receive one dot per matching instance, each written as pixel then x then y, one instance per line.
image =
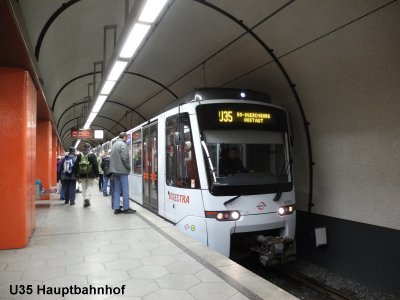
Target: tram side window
pixel 129 144
pixel 137 152
pixel 181 168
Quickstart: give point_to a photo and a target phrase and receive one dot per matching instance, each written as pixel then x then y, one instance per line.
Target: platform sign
pixel 81 133
pixel 99 134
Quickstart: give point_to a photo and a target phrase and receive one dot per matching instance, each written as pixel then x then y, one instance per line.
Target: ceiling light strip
pixel 77 143
pixel 135 38
pixel 107 87
pixel 99 103
pixel 151 10
pixel 117 70
pixel 147 16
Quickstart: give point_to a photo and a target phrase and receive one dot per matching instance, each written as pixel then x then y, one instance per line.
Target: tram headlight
pixel 223 215
pixel 235 215
pixel 286 210
pixel 281 211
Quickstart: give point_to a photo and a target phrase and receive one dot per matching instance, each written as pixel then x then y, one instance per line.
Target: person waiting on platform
pixel 101 172
pixel 231 163
pixel 60 186
pixel 105 165
pixel 120 168
pixel 87 172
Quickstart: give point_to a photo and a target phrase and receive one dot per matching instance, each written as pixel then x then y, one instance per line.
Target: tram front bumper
pixel 276 245
pixel 275 250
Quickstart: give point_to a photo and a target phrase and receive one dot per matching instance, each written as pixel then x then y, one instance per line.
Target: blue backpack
pixel 68 165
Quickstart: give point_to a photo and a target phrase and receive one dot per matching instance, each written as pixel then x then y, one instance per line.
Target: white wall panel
pixel 349 83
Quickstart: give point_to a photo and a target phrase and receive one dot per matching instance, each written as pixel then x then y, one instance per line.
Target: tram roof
pixel 202 94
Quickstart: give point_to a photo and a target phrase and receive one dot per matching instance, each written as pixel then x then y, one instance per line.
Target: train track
pixel 296 283
pixel 313 284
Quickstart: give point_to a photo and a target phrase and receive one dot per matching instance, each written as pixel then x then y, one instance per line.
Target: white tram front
pixel 179 170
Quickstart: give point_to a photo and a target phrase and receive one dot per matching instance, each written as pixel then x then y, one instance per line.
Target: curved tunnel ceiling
pixel 341 58
pixel 297 51
pixel 193 46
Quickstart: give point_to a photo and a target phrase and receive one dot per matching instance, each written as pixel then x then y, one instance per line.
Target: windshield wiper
pixel 280 187
pixel 209 160
pixel 231 200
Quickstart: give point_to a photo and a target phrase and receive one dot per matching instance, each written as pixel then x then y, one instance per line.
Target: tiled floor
pixel 85 247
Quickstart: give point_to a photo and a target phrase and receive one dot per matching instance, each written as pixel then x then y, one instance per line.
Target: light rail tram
pixel 217 164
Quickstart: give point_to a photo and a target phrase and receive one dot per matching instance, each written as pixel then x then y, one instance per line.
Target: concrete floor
pixel 80 246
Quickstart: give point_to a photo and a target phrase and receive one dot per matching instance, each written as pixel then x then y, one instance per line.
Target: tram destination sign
pixel 229 116
pixel 241 116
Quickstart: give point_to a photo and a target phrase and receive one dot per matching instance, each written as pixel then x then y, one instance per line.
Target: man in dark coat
pixel 68 169
pixel 105 165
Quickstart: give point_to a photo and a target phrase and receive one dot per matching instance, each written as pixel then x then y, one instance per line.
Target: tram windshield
pixel 250 161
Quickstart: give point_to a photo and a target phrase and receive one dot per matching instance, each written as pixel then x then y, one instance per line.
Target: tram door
pixel 150 165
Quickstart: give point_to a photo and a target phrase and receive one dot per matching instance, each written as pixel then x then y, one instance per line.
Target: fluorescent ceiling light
pixel 92 116
pixel 151 10
pixel 134 39
pixel 107 87
pixel 99 103
pixel 77 143
pixel 117 69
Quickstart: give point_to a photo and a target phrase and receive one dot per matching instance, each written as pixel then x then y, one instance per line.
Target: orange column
pixel 44 154
pixel 17 160
pixel 60 149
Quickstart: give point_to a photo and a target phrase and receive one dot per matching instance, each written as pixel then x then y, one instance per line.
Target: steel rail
pixel 313 284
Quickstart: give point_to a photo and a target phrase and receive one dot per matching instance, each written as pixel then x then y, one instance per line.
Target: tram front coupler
pixel 274 250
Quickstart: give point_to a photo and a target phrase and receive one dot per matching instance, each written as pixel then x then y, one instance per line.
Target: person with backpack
pixel 105 165
pixel 87 172
pixel 68 169
pixel 60 186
